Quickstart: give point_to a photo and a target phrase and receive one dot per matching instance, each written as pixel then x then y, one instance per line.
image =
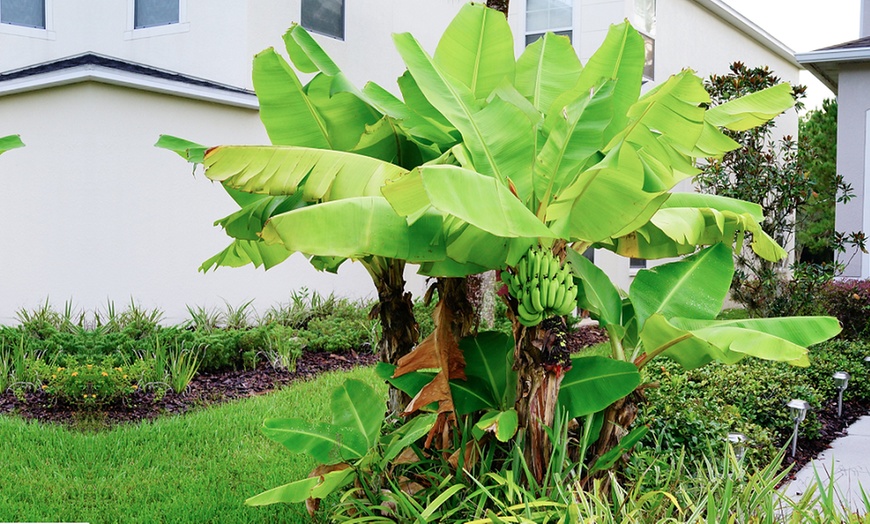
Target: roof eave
pixel 107 75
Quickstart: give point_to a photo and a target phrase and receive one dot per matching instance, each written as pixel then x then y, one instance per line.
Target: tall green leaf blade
pixel 694 287
pixel 548 67
pixel 495 150
pixel 357 228
pixel 474 198
pixel 477 50
pixel 345 115
pixel 620 57
pixel 325 443
pixel 243 252
pixel 753 109
pixel 575 136
pixel 288 115
pixel 489 359
pixel 354 406
pixel 593 383
pixel 281 170
pixel 597 293
pixel 306 54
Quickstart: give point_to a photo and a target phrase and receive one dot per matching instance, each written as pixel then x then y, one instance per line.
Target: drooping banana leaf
pixel 694 287
pixel 10 142
pixel 247 222
pixel 345 114
pixel 477 50
pixel 753 109
pixel 356 228
pixel 301 490
pixel 280 170
pixel 190 151
pixel 243 252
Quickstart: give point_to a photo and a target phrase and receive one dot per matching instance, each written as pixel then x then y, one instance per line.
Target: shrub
pixel 849 301
pixel 88 383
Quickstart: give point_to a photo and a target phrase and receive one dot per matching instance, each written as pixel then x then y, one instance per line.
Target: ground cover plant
pixel 492 162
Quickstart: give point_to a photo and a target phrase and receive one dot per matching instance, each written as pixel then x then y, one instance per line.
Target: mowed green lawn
pixel 199 467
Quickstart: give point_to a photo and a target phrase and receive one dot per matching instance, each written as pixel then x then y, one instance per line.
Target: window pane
pixel 150 13
pixel 649 62
pixel 537 5
pixel 560 18
pixel 324 17
pixel 644 17
pixel 537 21
pixel 27 13
pixel 637 263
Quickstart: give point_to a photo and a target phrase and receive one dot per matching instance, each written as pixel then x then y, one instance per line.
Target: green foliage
pixel 817 153
pixel 85 384
pixel 181 366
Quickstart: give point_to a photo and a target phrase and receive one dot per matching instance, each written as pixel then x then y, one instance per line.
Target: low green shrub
pixel 849 301
pixel 85 383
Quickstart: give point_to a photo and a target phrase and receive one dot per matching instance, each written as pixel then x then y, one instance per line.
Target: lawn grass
pixel 198 467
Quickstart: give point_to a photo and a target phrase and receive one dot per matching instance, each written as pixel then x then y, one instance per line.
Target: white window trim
pixel 132 33
pixel 526 31
pixel 46 33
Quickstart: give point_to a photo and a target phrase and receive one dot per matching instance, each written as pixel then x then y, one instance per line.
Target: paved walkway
pixel 847 461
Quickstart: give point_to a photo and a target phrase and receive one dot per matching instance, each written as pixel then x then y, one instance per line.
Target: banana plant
pixel 351 446
pixel 10 142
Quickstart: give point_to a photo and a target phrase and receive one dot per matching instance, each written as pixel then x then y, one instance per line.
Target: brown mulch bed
pixel 205 389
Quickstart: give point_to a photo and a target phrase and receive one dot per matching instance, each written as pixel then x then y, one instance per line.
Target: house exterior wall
pixel 91 212
pixel 853 159
pixel 90 236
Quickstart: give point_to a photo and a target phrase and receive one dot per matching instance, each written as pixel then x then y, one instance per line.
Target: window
pixel 636 263
pixel 25 13
pixel 644 20
pixel 153 13
pixel 324 16
pixel 555 16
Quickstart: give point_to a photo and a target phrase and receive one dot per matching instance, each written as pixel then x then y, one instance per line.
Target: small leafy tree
pixel 519 165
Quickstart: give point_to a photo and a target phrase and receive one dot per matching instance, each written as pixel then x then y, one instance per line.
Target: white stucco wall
pixel 853 159
pixel 92 212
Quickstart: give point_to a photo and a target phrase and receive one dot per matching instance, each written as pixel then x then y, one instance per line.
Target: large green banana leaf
pixel 280 170
pixel 620 57
pixel 288 115
pixel 547 68
pixel 593 383
pixel 477 199
pixel 489 365
pixel 356 228
pixel 477 50
pixel 803 331
pixel 497 135
pixel 694 287
pixel 10 142
pixel 344 114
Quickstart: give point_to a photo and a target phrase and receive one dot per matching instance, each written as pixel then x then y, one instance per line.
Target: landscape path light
pixel 841 380
pixel 738 443
pixel 798 410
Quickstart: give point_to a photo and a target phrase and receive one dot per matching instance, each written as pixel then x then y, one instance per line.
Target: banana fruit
pixel 542 286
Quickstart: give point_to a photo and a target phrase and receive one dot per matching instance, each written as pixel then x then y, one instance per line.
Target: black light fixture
pixel 798 409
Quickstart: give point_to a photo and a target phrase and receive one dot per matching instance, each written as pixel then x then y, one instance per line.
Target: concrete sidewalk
pixel 848 459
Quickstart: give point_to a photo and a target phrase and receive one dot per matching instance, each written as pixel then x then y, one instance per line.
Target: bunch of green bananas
pixel 542 286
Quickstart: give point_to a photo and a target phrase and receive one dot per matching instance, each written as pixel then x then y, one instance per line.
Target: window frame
pixel 133 33
pixel 555 30
pixel 341 38
pixel 44 33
